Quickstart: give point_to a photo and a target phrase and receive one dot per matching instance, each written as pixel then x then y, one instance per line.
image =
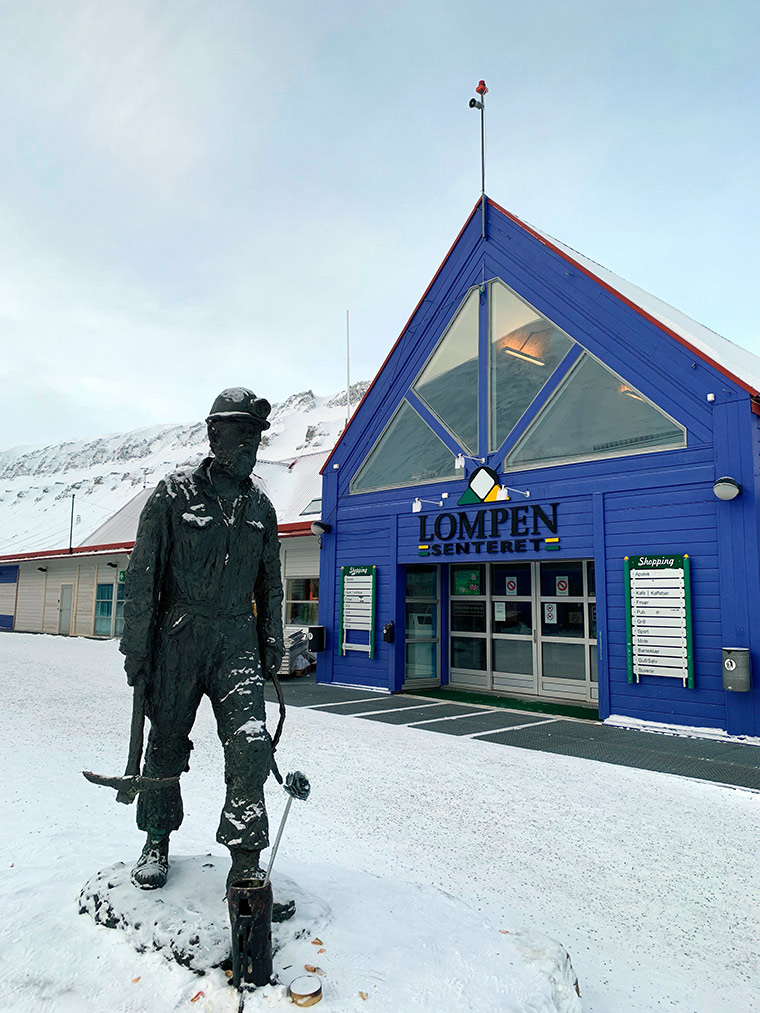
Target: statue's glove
pixel 136 669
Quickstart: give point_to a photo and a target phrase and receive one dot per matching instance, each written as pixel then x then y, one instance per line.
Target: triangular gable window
pixel 594 413
pixel 408 452
pixel 526 348
pixel 448 383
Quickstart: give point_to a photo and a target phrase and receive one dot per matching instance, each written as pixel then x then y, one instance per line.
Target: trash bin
pixel 736 669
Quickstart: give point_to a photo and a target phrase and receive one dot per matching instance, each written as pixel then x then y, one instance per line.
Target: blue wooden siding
pixel 642 503
pixel 680 520
pixel 367 541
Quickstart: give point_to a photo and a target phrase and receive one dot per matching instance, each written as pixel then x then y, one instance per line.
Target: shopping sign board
pixel 658 614
pixel 357 609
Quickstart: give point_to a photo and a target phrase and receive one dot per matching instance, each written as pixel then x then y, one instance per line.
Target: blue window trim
pixel 483 372
pixel 496 459
pixel 443 434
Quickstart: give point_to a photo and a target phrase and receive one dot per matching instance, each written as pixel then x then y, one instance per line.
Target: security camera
pixel 474 104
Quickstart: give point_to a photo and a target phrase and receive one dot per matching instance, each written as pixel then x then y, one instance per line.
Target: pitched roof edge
pixel 291 530
pixel 403 332
pixel 628 302
pixel 76 550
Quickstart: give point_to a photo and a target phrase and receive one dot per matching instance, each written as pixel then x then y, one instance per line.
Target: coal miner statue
pixel 206 549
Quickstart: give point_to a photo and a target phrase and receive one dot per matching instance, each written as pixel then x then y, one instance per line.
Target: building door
pixel 64 609
pixel 566 595
pixel 525 629
pixel 422 637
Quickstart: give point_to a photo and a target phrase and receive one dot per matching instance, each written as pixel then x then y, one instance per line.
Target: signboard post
pixel 658 613
pixel 357 608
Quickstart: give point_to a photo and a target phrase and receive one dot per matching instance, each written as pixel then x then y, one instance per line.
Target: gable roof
pixel 736 363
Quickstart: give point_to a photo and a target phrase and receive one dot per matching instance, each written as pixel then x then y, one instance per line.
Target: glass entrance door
pixel 422 627
pixel 525 629
pixel 567 635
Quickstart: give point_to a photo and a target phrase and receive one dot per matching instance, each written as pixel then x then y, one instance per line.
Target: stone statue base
pixel 187 920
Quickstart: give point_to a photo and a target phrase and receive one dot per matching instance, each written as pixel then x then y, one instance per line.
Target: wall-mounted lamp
pixel 320 528
pixel 460 459
pixel 505 490
pixel 417 502
pixel 726 488
pixel 112 565
pixel 42 569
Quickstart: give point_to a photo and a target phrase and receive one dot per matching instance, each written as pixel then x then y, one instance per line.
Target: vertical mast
pixel 480 104
pixel 348 371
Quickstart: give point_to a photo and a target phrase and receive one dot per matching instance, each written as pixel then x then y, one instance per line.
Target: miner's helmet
pixel 240 403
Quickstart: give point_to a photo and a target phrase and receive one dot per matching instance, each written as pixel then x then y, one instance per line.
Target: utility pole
pixel 71 525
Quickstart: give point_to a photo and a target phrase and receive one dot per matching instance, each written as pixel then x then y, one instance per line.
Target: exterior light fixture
pixel 112 565
pixel 460 459
pixel 417 502
pixel 726 488
pixel 42 569
pixel 320 528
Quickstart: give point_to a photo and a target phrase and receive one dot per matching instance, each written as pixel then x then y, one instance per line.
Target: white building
pixel 80 591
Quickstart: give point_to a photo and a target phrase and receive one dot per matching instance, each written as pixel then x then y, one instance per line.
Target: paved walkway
pixel 729 763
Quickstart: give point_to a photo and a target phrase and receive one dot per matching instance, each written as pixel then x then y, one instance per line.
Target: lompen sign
pixel 658 613
pixel 357 609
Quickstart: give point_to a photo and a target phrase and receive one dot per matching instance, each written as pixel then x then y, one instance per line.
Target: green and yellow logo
pixel 483 487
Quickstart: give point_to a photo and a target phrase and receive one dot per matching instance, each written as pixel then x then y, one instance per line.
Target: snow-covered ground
pixel 424 847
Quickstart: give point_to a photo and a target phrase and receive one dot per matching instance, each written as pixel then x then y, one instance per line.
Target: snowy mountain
pixel 105 473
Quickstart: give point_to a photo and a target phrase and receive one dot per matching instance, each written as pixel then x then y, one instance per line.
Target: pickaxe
pixel 133 782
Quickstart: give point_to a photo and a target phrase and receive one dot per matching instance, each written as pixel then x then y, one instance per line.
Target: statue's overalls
pixel 197 565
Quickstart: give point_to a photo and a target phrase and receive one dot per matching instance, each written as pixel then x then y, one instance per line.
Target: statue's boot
pixel 152 867
pixel 245 865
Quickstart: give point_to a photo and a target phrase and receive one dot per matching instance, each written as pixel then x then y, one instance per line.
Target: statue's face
pixel 234 444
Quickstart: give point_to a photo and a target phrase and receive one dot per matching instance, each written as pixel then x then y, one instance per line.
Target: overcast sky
pixel 193 193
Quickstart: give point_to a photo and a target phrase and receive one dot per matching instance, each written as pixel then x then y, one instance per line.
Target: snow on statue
pixel 206 548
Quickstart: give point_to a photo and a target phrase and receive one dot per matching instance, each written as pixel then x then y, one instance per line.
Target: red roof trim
pixel 294 529
pixel 624 299
pixel 78 550
pixel 403 331
pixel 283 530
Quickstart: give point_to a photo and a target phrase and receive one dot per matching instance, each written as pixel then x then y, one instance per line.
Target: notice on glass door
pixel 658 612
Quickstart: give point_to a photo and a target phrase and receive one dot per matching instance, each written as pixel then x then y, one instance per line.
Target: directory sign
pixel 658 612
pixel 357 609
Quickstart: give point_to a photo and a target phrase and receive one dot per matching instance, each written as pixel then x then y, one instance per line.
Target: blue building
pixel 526 502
